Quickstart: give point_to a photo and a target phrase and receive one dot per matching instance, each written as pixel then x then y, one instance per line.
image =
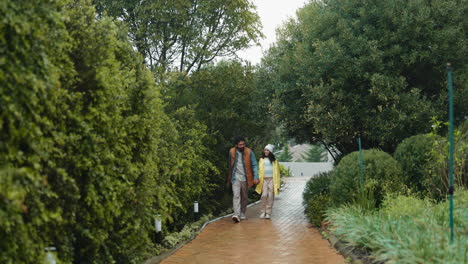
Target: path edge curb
pixel 347 251
pixel 166 254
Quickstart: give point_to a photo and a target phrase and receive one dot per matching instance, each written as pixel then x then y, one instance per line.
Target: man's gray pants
pixel 239 197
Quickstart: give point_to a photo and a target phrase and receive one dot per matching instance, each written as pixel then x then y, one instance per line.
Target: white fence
pixel 307 168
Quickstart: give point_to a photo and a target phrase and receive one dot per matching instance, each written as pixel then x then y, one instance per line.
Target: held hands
pixel 256 181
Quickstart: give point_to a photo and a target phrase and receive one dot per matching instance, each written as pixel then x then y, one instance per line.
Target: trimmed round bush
pixel 319 184
pixel 413 154
pixel 316 197
pixel 382 174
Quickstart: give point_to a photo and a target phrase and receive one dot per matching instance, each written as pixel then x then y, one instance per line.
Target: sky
pixel 273 13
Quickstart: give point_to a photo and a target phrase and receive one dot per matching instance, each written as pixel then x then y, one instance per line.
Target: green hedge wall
pixel 87 154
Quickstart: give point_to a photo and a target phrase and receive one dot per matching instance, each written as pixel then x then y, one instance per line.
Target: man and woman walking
pixel 245 172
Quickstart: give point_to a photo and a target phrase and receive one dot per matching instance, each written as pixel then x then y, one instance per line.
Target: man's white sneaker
pixel 243 217
pixel 262 215
pixel 267 216
pixel 235 218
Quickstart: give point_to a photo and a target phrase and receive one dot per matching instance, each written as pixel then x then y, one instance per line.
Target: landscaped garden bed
pixel 405 230
pixel 397 210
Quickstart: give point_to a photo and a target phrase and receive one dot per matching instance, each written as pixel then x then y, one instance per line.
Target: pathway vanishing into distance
pixel 286 238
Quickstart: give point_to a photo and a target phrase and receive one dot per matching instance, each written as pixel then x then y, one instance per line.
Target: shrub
pixel 436 181
pixel 319 184
pixel 284 172
pixel 316 208
pixel 378 165
pixel 414 154
pixel 316 197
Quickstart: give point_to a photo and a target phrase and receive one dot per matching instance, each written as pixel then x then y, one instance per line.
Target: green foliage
pixel 316 208
pixel 382 175
pixel 31 35
pixel 425 163
pixel 285 155
pixel 319 184
pixel 365 196
pixel 188 231
pixel 88 155
pixel 436 181
pixel 187 170
pixel 399 232
pixel 285 172
pixel 316 153
pixel 369 69
pixel 224 98
pixel 414 154
pixel 316 197
pixel 185 34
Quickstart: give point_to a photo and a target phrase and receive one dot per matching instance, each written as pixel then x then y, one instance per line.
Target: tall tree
pixel 224 97
pixel 369 69
pixel 184 35
pixel 316 153
pixel 285 155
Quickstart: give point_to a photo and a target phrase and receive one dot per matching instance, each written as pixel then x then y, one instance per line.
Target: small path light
pixel 195 210
pixel 157 223
pixel 50 259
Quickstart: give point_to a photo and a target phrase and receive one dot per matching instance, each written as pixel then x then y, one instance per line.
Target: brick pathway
pixel 286 238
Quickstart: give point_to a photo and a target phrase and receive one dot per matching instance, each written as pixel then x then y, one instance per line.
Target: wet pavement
pixel 285 238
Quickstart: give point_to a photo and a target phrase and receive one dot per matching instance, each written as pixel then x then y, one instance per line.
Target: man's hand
pixel 256 181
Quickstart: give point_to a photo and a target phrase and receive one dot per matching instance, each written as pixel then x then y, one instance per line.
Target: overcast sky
pixel 272 13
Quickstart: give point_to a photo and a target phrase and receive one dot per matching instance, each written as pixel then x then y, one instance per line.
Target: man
pixel 243 173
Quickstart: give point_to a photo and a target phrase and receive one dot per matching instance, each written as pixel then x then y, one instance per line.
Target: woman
pixel 269 173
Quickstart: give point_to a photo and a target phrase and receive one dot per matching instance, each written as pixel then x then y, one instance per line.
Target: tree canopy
pixel 285 155
pixel 316 153
pixel 369 69
pixel 183 35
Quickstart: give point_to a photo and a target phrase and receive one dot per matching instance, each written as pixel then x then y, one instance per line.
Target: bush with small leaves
pixel 413 154
pixel 316 197
pixel 380 169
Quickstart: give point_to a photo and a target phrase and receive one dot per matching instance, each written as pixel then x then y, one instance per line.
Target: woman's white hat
pixel 269 147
